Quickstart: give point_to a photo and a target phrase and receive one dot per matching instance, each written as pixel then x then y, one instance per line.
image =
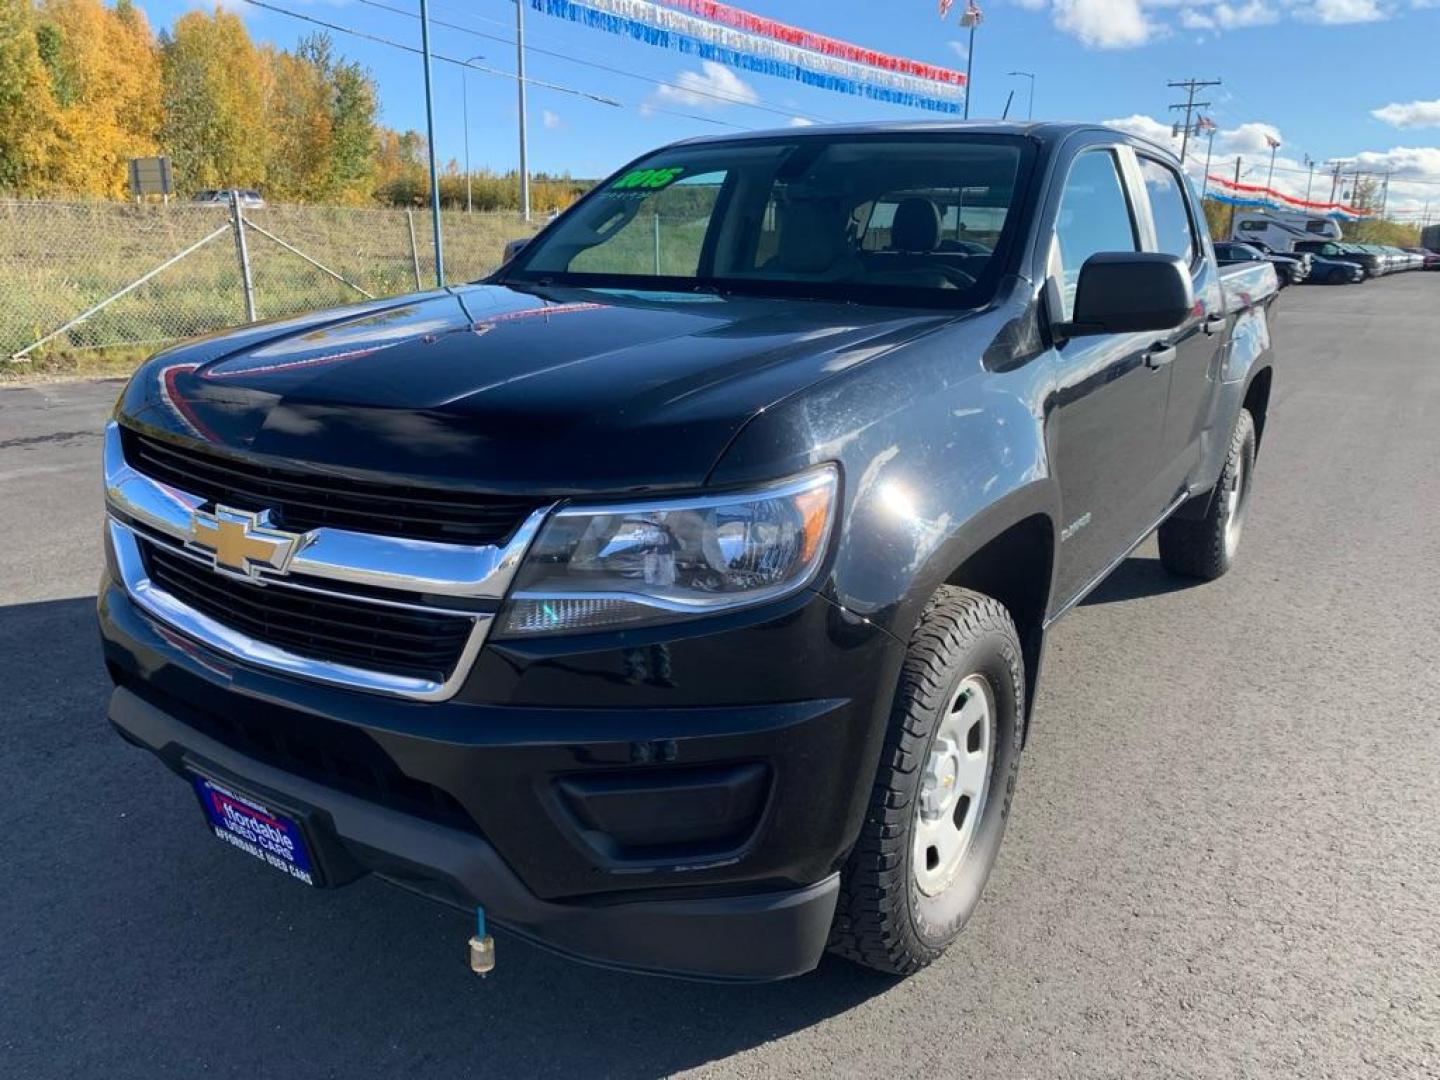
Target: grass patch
pixel 65 364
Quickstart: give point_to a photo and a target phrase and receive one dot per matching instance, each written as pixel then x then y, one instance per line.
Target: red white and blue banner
pixel 750 42
pixel 1222 189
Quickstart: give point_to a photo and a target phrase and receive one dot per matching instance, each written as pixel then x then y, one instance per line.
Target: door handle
pixel 1158 355
pixel 1214 324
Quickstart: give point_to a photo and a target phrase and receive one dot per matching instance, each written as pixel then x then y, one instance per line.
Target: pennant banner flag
pixel 1225 190
pixel 749 42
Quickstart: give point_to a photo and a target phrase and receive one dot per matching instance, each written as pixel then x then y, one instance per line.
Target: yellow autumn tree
pixel 28 122
pixel 321 120
pixel 104 75
pixel 215 83
pixel 298 118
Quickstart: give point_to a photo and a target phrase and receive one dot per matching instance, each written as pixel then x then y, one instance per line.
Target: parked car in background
pixel 1291 269
pixel 1396 260
pixel 1368 261
pixel 248 198
pixel 1325 271
pixel 1305 258
pixel 1430 259
pixel 1408 259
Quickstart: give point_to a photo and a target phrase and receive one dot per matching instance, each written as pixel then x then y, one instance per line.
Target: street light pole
pixel 969 66
pixel 1209 150
pixel 520 85
pixel 1030 106
pixel 465 121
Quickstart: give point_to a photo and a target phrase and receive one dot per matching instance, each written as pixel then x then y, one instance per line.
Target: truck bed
pixel 1247 284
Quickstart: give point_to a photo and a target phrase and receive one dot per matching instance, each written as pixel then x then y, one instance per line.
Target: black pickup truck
pixel 677 595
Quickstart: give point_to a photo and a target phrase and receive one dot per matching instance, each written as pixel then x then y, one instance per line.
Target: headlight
pixel 613 567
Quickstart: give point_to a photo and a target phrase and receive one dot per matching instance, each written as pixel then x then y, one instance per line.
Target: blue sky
pixel 1314 74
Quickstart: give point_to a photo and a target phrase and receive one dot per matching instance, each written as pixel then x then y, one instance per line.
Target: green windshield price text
pixel 647 179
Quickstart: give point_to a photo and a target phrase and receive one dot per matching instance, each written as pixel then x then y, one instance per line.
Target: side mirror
pixel 512 248
pixel 1128 292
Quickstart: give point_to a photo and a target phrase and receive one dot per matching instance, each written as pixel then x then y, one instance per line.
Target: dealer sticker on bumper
pixel 255 829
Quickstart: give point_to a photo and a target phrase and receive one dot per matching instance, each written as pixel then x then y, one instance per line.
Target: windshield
pixel 885 220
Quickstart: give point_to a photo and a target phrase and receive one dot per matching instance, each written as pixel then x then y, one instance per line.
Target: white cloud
pixel 1250 138
pixel 1106 24
pixel 551 120
pixel 959 49
pixel 1410 114
pixel 1335 12
pixel 1147 127
pixel 1123 24
pixel 1239 16
pixel 714 86
pixel 800 121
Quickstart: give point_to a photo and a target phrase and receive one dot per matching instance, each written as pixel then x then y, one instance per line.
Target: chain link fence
pixel 177 272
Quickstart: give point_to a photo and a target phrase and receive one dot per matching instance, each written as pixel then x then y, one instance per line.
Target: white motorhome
pixel 1279 231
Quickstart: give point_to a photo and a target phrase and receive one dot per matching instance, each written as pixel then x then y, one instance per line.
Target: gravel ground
pixel 1223 860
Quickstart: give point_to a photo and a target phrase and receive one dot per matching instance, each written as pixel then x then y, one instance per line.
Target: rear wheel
pixel 1204 547
pixel 942 792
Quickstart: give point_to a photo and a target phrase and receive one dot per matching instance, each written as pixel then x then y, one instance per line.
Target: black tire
pixel 1204 546
pixel 883 920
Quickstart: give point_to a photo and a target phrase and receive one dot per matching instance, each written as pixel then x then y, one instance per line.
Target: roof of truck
pixel 1044 130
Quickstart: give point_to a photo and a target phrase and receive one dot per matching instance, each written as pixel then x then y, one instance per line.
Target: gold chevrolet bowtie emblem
pixel 241 542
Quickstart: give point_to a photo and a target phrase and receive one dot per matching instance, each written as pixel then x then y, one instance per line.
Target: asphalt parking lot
pixel 1223 859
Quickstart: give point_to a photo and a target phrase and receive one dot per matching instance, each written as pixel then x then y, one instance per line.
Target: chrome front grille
pixel 354 632
pixel 388 614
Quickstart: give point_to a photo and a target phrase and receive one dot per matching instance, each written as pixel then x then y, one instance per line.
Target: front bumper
pixel 676 802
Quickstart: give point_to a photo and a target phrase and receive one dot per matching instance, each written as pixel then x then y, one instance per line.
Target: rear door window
pixel 1094 216
pixel 1174 229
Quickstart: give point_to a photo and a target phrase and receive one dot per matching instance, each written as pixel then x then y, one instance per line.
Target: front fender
pixel 939 454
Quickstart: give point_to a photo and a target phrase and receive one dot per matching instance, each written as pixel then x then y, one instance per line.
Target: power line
pixel 717 95
pixel 353 32
pixel 1190 105
pixel 559 88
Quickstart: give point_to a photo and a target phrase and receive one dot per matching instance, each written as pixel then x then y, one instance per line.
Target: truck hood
pixel 551 391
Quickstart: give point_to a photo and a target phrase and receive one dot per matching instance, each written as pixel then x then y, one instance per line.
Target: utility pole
pixel 1309 164
pixel 1270 178
pixel 1190 105
pixel 1338 164
pixel 1232 205
pixel 520 85
pixel 1385 193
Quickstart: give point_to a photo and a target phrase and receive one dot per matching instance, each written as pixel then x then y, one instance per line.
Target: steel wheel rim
pixel 1237 499
pixel 954 784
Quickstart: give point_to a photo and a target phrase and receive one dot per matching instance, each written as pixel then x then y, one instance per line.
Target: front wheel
pixel 942 792
pixel 1204 547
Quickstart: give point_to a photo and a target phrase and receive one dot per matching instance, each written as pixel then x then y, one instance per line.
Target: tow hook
pixel 482 947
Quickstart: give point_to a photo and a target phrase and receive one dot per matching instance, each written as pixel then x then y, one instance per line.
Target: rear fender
pixel 1248 352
